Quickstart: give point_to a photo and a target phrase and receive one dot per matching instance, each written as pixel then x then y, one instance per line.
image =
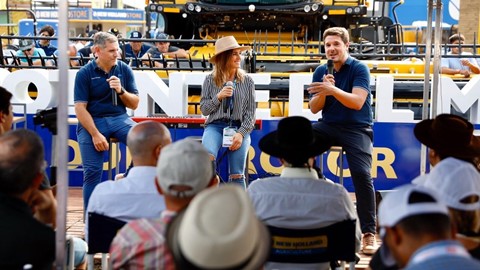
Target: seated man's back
pixel 24 239
pixel 301 204
pixel 298 199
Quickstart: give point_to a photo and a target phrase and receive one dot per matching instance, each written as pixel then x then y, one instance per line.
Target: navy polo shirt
pixel 49 50
pixel 130 55
pixel 91 87
pixel 352 74
pixel 157 54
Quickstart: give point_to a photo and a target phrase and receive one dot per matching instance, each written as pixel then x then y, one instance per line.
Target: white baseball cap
pixel 184 163
pixel 219 230
pixel 397 206
pixel 454 180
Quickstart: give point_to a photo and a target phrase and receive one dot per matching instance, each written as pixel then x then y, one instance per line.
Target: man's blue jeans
pixel 212 140
pixel 92 160
pixel 357 142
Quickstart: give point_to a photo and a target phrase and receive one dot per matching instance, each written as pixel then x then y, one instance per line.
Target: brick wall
pixel 469 21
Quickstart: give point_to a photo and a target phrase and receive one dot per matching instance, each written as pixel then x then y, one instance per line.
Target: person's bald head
pixel 145 140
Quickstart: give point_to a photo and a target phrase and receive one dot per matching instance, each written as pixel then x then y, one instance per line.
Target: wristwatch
pixel 121 92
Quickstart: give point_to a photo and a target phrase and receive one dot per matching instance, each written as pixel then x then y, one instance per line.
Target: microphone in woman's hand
pixel 227 101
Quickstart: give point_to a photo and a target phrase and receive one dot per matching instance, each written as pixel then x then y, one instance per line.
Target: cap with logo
pixel 161 36
pixel 135 34
pixel 25 44
pixel 114 31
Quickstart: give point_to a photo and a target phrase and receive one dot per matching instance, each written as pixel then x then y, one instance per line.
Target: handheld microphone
pixel 114 93
pixel 330 66
pixel 227 102
pixel 114 97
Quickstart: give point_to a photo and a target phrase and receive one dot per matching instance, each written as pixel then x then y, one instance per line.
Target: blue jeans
pixel 92 160
pixel 357 142
pixel 212 140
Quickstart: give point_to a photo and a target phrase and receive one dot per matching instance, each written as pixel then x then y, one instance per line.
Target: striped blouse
pixel 243 103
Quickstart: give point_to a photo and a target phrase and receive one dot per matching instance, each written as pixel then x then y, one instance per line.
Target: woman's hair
pixel 220 75
pixel 467 222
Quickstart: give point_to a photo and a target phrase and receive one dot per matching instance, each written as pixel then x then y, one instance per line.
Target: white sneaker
pixel 369 244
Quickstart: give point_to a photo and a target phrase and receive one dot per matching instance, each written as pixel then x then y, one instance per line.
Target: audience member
pixel 417 233
pixel 80 44
pixel 114 31
pixel 31 56
pixel 134 196
pixel 25 239
pixel 6 117
pixel 446 136
pixel 228 99
pixel 163 49
pixel 6 111
pixel 458 183
pixel 104 88
pixel 183 169
pixel 342 92
pixel 86 53
pixel 219 230
pixel 450 140
pixel 459 65
pixel 312 202
pixel 134 50
pixel 45 44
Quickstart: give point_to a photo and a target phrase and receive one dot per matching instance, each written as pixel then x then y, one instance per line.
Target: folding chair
pixel 101 231
pixel 323 245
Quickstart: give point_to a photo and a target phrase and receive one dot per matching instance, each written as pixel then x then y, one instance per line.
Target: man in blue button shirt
pixel 104 88
pixel 343 95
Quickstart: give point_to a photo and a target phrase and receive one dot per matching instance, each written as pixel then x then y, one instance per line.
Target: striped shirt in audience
pixel 141 244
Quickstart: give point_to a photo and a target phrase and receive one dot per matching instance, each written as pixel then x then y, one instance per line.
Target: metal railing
pixel 263 51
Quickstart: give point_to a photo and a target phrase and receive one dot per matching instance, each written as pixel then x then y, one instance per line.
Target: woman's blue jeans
pixel 212 140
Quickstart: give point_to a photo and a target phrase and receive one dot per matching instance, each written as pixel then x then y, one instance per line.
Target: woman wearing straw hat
pixel 228 99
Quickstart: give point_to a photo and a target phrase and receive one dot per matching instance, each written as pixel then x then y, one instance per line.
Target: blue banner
pixel 97 14
pixel 396 155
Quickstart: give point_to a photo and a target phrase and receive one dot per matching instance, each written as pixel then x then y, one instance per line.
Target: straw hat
pixel 225 44
pixel 219 230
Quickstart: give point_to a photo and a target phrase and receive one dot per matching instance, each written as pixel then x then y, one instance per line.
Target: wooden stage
pixel 75 225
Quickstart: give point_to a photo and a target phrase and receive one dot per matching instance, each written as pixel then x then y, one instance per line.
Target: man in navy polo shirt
pixel 45 44
pixel 104 88
pixel 134 50
pixel 345 102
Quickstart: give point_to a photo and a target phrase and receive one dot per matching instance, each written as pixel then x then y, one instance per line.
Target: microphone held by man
pixel 114 82
pixel 330 66
pixel 227 102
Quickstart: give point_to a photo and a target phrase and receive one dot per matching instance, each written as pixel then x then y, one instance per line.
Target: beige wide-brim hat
pixel 219 230
pixel 225 44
